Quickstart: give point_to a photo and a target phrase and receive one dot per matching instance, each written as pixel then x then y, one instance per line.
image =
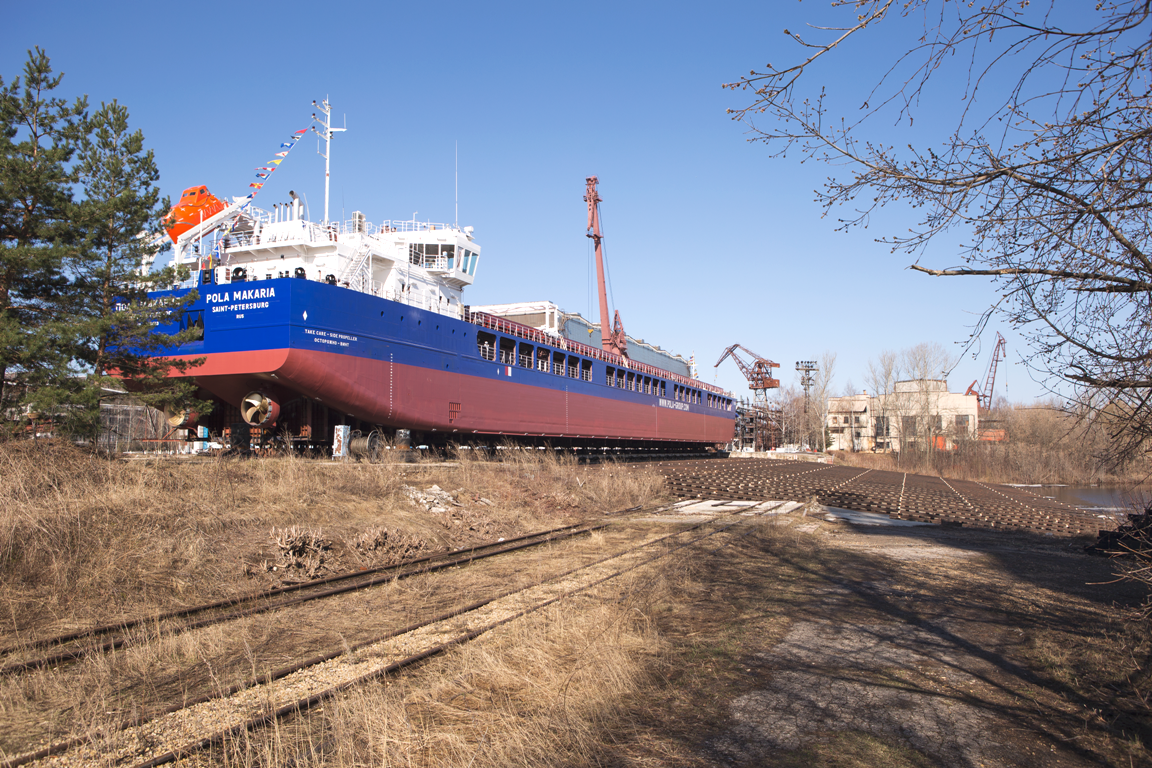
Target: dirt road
pixel 828 643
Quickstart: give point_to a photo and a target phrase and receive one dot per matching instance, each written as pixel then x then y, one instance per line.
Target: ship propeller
pixel 257 408
pixel 184 418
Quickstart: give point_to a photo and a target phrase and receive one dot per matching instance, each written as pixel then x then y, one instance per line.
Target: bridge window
pixel 486 343
pixel 507 352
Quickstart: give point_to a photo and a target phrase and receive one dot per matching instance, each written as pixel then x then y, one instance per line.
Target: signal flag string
pixel 265 171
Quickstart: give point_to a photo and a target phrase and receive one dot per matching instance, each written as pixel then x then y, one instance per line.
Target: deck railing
pixel 285 230
pixel 512 328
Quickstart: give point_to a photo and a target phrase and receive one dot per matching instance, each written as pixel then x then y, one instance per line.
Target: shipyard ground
pixel 805 641
pixel 824 642
pixel 794 639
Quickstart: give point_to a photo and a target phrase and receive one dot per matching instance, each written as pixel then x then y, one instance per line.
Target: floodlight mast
pixel 326 108
pixel 807 368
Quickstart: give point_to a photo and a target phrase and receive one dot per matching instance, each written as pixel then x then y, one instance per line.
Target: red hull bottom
pixel 449 403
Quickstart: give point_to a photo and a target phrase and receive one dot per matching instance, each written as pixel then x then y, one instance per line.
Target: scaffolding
pixel 758 427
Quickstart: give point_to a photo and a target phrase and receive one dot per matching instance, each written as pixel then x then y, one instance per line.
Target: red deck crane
pixel 611 339
pixel 984 396
pixel 758 372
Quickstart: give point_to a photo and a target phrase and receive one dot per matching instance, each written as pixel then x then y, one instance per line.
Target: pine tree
pixel 38 136
pixel 113 320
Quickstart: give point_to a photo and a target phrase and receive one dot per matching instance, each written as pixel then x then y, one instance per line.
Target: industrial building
pixel 919 414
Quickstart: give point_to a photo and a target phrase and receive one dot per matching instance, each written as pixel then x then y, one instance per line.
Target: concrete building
pixel 920 413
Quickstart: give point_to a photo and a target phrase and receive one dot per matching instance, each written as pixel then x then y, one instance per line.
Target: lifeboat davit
pixel 196 204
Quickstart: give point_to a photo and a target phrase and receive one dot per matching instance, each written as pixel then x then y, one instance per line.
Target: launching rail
pixel 898 494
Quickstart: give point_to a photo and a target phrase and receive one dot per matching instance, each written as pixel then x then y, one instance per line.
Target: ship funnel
pixel 257 409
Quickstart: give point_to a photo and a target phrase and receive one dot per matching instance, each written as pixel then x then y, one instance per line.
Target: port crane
pixel 984 396
pixel 611 339
pixel 760 424
pixel 758 371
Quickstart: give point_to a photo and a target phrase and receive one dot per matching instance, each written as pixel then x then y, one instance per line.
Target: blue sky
pixel 710 242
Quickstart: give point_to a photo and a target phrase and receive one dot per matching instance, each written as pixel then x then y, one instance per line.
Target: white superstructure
pixel 423 264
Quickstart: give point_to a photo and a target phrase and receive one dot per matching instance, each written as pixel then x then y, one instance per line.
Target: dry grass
pixel 553 689
pixel 86 539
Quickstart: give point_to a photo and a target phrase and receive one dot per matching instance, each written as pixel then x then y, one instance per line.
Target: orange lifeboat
pixel 196 204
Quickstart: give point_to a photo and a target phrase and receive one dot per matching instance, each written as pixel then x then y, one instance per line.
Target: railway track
pixel 900 495
pixel 190 726
pixel 74 646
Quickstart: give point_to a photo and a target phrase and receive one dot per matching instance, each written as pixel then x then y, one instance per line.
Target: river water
pixel 1098 497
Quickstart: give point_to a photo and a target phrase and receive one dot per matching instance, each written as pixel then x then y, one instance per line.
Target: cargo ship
pixel 309 326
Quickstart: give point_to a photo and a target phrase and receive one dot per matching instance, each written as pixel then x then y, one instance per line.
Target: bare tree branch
pixel 1047 170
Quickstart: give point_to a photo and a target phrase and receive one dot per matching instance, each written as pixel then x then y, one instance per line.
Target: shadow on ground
pixel 858 645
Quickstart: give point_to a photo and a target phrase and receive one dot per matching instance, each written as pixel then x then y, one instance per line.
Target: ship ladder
pixel 356 276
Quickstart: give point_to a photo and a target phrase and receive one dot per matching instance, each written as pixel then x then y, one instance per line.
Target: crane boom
pixel 759 373
pixel 762 419
pixel 984 396
pixel 612 338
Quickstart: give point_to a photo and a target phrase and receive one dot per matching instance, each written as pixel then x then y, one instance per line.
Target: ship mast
pixel 611 339
pixel 326 108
